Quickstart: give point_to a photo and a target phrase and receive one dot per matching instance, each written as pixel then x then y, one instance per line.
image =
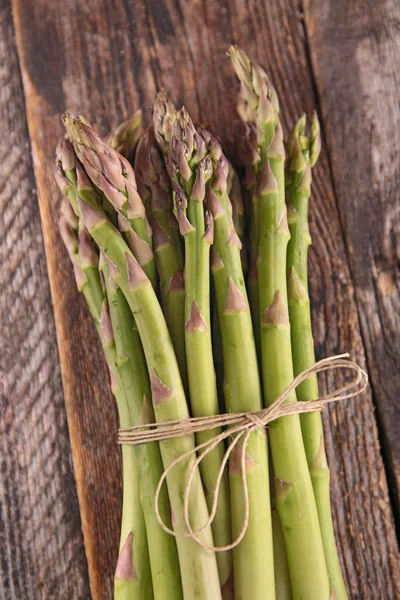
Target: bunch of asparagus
pixel 201 305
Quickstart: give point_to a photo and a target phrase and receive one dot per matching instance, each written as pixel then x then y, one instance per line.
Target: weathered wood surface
pixel 41 544
pixel 107 60
pixel 355 50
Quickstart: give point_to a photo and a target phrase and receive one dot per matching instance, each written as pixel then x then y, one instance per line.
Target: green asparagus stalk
pixel 155 190
pixel 283 591
pixel 132 368
pixel 235 195
pixel 198 566
pixel 253 557
pixel 246 145
pixel 133 573
pixel 114 176
pixel 129 374
pixel 125 138
pixel 132 576
pixel 190 168
pixel 303 153
pixel 293 490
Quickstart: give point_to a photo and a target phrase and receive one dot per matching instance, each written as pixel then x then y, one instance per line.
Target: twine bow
pixel 239 426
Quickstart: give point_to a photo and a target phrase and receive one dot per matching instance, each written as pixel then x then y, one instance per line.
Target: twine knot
pixel 238 427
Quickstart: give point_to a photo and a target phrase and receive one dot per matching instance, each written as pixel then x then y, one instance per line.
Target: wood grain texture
pixel 355 50
pixel 41 543
pixel 90 408
pixel 105 60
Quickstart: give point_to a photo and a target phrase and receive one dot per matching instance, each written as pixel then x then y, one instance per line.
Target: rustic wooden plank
pixel 105 61
pixel 41 542
pixel 355 50
pixel 90 409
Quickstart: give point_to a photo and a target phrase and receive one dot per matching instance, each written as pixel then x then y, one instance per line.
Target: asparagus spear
pixel 114 176
pixel 164 115
pixel 190 168
pixel 283 591
pixel 293 490
pixel 130 379
pixel 155 190
pixel 235 195
pixel 131 365
pixel 246 145
pixel 132 577
pixel 133 573
pixel 125 138
pixel 253 557
pixel 303 153
pixel 198 566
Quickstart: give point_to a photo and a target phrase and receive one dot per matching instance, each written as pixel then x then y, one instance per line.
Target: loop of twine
pixel 239 426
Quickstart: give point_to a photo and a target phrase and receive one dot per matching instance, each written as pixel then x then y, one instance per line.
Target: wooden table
pixel 60 500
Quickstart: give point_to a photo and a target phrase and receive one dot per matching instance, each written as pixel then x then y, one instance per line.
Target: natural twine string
pixel 239 426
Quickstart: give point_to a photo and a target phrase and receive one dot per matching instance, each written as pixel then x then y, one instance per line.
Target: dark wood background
pixel 60 469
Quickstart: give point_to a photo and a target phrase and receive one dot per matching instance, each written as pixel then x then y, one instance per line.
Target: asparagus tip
pixel 65 154
pixel 164 115
pixel 241 63
pixel 124 138
pixel 315 140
